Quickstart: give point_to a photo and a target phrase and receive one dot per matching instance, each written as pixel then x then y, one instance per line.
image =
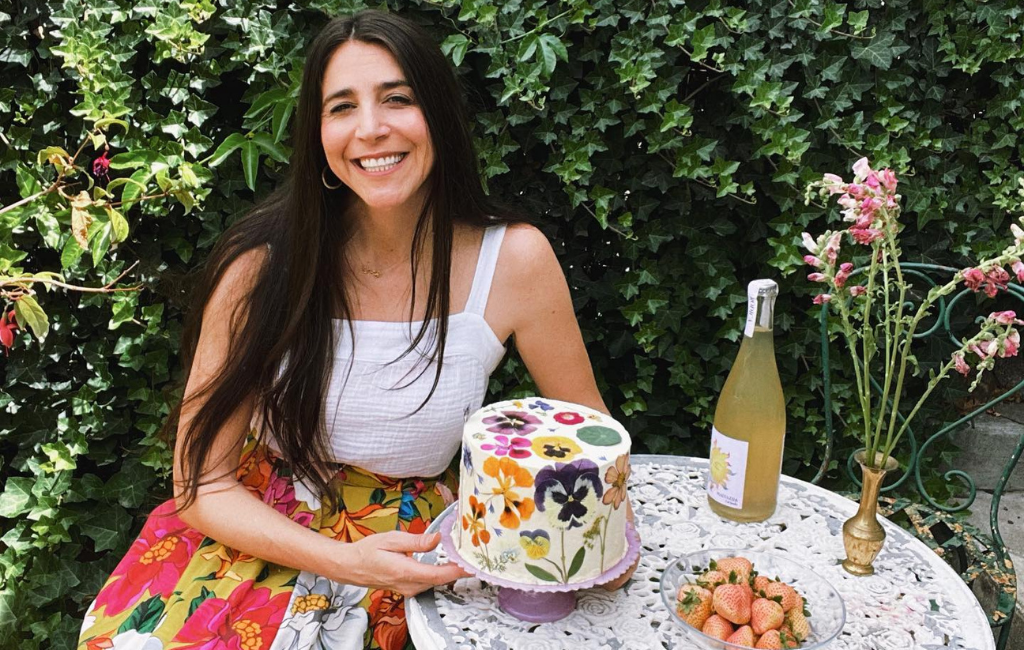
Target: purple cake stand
pixel 540 603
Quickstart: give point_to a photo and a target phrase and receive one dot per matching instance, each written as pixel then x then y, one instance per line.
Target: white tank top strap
pixel 485 265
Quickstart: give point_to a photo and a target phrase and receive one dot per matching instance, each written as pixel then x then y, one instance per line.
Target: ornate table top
pixel 914 600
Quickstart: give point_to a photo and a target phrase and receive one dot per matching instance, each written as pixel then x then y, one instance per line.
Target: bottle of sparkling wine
pixel 750 420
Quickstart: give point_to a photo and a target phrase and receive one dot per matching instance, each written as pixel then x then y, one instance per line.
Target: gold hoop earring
pixel 323 179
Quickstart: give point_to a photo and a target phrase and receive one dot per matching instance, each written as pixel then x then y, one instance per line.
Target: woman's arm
pixel 536 306
pixel 227 511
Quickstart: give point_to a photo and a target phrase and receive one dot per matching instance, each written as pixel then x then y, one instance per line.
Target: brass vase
pixel 863 535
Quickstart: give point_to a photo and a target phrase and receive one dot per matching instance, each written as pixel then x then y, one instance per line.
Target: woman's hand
pixel 383 561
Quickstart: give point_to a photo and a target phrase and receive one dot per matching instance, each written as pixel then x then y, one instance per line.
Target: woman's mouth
pixel 381 164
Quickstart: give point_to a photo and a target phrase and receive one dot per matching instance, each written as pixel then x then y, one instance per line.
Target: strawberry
pixel 748 591
pixel 799 626
pixel 712 578
pixel 765 615
pixel 740 565
pixel 787 596
pixel 717 627
pixel 732 603
pixel 770 640
pixel 760 584
pixel 742 636
pixel 693 603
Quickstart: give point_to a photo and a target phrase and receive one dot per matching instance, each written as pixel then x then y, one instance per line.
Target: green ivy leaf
pixel 17 497
pixel 454 47
pixel 879 51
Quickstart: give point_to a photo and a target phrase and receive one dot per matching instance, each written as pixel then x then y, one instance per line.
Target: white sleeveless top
pixel 369 414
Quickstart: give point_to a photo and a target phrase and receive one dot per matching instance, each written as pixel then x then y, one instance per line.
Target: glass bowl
pixel 823 602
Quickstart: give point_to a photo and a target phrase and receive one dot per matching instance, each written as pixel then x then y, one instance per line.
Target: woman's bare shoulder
pixel 525 251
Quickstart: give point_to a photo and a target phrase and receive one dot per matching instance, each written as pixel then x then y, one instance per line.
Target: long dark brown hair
pixel 300 286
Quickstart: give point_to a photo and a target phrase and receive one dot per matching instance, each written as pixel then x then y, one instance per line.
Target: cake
pixel 542 492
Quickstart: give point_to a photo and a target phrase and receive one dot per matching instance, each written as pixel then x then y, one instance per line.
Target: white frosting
pixel 542 492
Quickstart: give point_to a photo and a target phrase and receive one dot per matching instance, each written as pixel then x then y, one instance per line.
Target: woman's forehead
pixel 356 66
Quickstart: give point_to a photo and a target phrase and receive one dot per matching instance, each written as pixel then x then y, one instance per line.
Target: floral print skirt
pixel 177 588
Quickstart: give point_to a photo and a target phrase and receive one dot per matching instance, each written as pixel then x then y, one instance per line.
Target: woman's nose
pixel 371 124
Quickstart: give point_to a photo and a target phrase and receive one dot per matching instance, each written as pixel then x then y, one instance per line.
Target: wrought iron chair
pixel 969 551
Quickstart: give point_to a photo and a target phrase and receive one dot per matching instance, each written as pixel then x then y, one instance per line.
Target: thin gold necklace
pixel 377 273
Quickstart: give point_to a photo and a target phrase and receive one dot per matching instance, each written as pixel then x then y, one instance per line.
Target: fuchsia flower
pixel 8 326
pixel 101 167
pixel 959 363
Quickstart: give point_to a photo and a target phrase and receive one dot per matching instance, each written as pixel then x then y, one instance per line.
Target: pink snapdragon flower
pixel 1011 344
pixel 843 274
pixel 833 183
pixel 995 281
pixel 888 179
pixel 817 277
pixel 809 243
pixel 822 298
pixel 813 261
pixel 865 235
pixel 973 278
pixel 1018 234
pixel 861 169
pixel 858 290
pixel 1006 318
pixel 1018 269
pixel 831 250
pixel 961 365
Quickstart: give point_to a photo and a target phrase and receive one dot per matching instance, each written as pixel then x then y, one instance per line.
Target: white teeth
pixel 381 164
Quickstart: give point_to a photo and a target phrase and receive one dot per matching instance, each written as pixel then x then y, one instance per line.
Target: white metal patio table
pixel 914 600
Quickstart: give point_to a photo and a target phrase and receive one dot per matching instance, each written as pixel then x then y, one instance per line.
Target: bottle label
pixel 748 331
pixel 728 470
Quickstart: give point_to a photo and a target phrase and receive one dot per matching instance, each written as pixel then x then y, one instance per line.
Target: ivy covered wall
pixel 662 146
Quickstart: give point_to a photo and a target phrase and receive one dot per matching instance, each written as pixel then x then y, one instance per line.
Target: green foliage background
pixel 663 146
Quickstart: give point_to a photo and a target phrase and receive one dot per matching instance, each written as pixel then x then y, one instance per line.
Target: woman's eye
pixel 399 99
pixel 339 108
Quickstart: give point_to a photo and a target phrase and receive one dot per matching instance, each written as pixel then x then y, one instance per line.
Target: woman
pixel 317 362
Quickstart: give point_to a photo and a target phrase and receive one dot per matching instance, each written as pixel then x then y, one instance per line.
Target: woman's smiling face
pixel 373 132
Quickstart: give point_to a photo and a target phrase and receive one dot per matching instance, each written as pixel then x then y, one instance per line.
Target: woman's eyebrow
pixel 381 87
